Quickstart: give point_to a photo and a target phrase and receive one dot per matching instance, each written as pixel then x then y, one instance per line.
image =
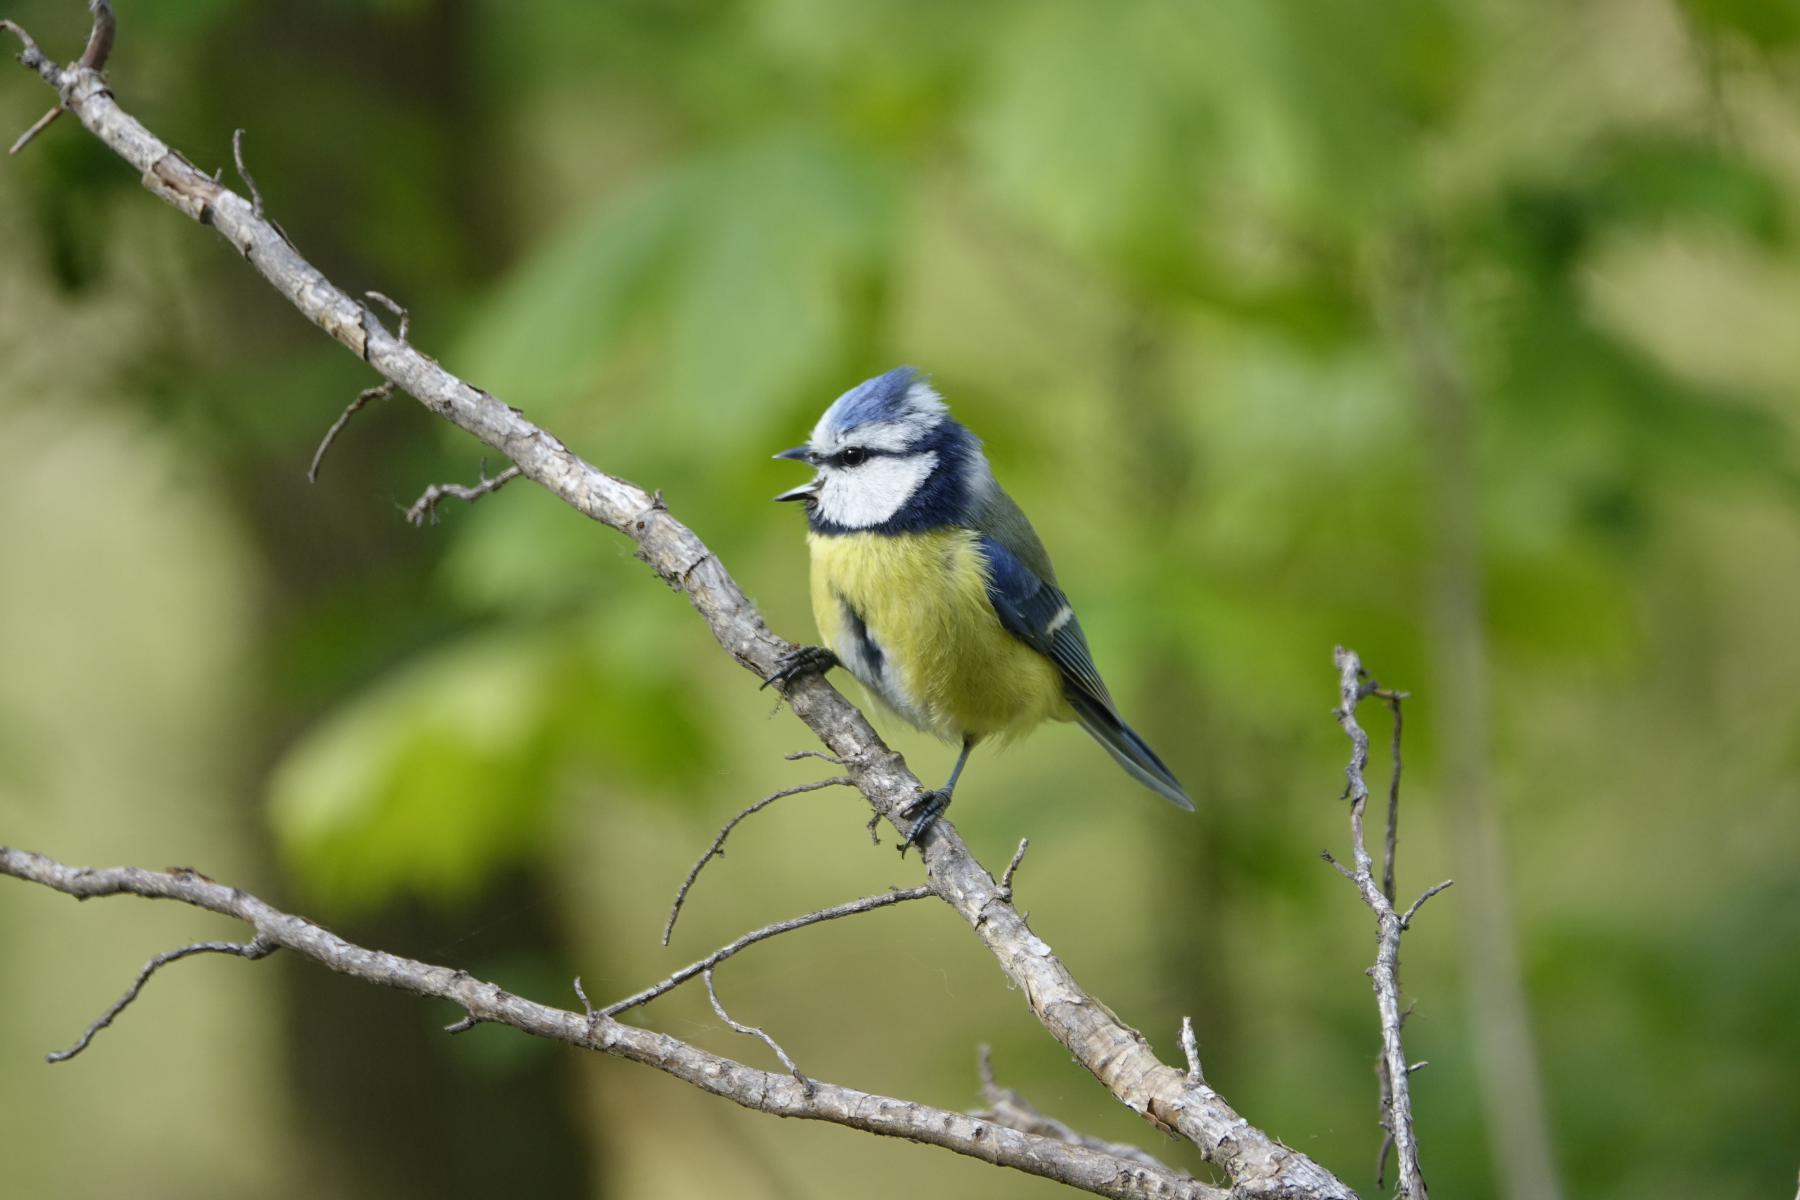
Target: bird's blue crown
pixel 899 397
pixel 898 414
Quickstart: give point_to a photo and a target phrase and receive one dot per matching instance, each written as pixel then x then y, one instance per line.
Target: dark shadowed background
pixel 1148 251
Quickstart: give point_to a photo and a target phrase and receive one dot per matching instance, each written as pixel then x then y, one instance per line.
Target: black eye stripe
pixel 852 456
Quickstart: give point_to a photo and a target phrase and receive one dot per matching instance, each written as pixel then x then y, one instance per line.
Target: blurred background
pixel 1464 333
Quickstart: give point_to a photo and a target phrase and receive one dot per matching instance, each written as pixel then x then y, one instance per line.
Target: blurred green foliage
pixel 1145 247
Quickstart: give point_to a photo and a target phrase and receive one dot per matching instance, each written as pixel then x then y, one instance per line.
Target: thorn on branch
pixel 717 849
pixel 463 1026
pixel 426 505
pixel 752 1030
pixel 257 947
pixel 1007 878
pixel 586 1007
pixel 256 205
pixel 381 391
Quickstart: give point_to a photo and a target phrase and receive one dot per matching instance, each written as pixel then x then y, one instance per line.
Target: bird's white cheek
pixel 859 497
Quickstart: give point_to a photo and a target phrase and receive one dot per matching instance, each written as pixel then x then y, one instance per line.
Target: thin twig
pixel 1393 812
pixel 1395 1114
pixel 405 317
pixel 1428 893
pixel 866 904
pixel 257 947
pixel 256 205
pixel 718 845
pixel 380 391
pixel 794 755
pixel 754 1031
pixel 463 1026
pixel 426 505
pixel 1008 1108
pixel 1190 1048
pixel 1017 858
pixel 41 124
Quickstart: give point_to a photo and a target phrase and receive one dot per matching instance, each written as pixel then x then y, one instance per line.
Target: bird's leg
pixel 924 810
pixel 802 660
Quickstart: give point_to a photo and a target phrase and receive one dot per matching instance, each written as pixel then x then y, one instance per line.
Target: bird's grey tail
pixel 1123 743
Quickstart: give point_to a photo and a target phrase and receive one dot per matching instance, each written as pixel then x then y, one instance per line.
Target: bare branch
pixel 380 391
pixel 718 846
pixel 766 1091
pixel 1007 1107
pixel 1390 1068
pixel 100 39
pixel 756 1032
pixel 33 57
pixel 258 947
pixel 1119 1057
pixel 426 505
pixel 866 904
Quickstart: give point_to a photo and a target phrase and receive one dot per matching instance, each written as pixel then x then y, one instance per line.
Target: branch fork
pixel 1391 1067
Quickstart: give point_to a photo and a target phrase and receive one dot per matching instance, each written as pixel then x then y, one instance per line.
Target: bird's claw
pixel 923 811
pixel 803 660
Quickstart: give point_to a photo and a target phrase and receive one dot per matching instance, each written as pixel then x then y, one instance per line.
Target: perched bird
pixel 930 585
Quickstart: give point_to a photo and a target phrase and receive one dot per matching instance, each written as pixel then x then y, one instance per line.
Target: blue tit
pixel 932 588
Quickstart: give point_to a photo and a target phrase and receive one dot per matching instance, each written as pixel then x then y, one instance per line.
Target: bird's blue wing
pixel 1039 615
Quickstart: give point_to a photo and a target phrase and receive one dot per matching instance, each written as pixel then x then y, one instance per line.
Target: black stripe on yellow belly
pixel 941 658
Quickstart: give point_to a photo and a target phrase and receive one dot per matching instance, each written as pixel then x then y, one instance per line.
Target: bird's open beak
pixel 806 491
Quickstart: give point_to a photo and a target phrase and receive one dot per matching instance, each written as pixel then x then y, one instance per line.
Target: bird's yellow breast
pixel 909 615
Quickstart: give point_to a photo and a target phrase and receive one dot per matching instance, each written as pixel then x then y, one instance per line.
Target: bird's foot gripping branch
pixel 1171 1099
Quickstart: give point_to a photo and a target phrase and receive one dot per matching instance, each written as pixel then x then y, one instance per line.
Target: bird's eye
pixel 854 455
